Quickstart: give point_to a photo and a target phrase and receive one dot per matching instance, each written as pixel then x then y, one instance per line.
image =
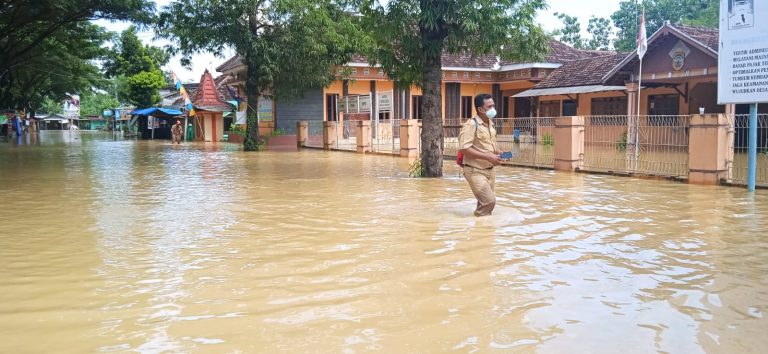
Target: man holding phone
pixel 477 141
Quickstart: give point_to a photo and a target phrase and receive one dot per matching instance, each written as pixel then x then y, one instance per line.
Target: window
pixel 367 71
pixel 381 72
pixel 454 75
pixel 488 76
pixel 354 71
pixel 609 106
pixel 466 107
pixel 549 109
pixel 569 108
pixel 477 75
pixel 663 109
pixel 416 107
pixel 466 75
pixel 330 107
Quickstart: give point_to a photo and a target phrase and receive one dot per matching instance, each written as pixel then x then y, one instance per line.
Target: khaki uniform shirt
pixel 481 136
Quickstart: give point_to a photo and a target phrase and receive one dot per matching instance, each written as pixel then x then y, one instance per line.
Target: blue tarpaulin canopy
pixel 156 112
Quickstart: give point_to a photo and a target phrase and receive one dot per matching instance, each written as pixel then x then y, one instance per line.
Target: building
pixel 464 76
pixel 679 78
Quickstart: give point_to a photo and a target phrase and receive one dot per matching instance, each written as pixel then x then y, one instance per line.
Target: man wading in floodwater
pixel 477 141
pixel 176 132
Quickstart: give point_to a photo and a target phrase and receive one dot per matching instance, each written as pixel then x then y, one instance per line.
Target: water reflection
pixel 142 246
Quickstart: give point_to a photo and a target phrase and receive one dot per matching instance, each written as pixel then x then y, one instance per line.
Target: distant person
pixel 477 142
pixel 176 131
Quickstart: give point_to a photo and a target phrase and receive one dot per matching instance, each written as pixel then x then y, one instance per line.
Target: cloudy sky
pixel 202 61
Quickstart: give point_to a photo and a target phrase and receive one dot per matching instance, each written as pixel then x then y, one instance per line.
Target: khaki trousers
pixel 483 185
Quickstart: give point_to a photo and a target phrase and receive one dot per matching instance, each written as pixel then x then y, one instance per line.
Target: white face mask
pixel 491 113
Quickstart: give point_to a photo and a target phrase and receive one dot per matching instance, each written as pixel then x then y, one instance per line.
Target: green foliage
pixel 236 128
pixel 276 132
pixel 599 29
pixel 621 144
pixel 288 46
pixel 50 106
pixel 144 88
pixel 411 36
pixel 571 32
pixel 547 139
pixel 27 26
pixel 415 169
pixel 408 33
pixel 62 63
pixel 94 104
pixel 136 68
pixel 691 12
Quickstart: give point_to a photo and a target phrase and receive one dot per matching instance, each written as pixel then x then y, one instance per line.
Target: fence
pixel 740 124
pixel 386 136
pixel 314 134
pixel 661 148
pixel 345 135
pixel 530 139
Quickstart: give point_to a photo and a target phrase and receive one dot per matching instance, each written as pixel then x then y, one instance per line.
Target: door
pixel 663 105
pixel 522 107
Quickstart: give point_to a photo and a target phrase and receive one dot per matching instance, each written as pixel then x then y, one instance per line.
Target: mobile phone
pixel 506 155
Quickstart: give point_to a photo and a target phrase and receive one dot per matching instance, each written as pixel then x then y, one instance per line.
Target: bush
pixel 415 170
pixel 621 144
pixel 547 140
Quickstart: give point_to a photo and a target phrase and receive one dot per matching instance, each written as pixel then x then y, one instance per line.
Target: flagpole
pixel 637 119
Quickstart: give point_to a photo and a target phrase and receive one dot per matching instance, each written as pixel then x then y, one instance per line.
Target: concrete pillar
pixel 363 136
pixel 329 135
pixel 409 138
pixel 568 143
pixel 302 133
pixel 708 149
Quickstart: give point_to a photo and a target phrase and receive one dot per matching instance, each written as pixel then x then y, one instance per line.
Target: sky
pixel 202 61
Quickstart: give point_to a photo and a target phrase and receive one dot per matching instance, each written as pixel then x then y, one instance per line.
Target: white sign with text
pixel 743 56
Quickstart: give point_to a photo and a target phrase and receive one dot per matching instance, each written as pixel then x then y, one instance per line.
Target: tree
pixel 600 30
pixel 137 67
pixel 62 63
pixel 50 106
pixel 411 37
pixel 690 12
pixel 95 103
pixel 25 25
pixel 571 33
pixel 288 46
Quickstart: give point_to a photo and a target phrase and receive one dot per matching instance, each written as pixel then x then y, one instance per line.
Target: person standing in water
pixel 477 142
pixel 176 131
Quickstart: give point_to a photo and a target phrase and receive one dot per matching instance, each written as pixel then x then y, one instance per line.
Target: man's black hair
pixel 480 99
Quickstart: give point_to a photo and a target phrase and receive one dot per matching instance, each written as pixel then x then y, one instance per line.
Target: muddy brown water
pixel 135 246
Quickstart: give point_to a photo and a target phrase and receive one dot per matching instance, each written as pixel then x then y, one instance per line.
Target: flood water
pixel 136 246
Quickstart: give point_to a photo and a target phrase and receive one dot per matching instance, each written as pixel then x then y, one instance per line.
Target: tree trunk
pixel 251 141
pixel 432 122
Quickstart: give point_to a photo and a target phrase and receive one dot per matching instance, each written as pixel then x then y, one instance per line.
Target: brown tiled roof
pixel 560 52
pixel 582 72
pixel 467 60
pixel 709 37
pixel 230 64
pixel 222 81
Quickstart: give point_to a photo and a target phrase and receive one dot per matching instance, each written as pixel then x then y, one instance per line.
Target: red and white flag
pixel 642 40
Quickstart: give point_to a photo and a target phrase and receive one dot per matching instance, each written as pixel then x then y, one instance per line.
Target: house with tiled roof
pixel 679 78
pixel 210 105
pixel 464 76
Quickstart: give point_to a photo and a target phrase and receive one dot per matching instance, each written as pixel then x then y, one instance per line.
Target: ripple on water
pixel 142 246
